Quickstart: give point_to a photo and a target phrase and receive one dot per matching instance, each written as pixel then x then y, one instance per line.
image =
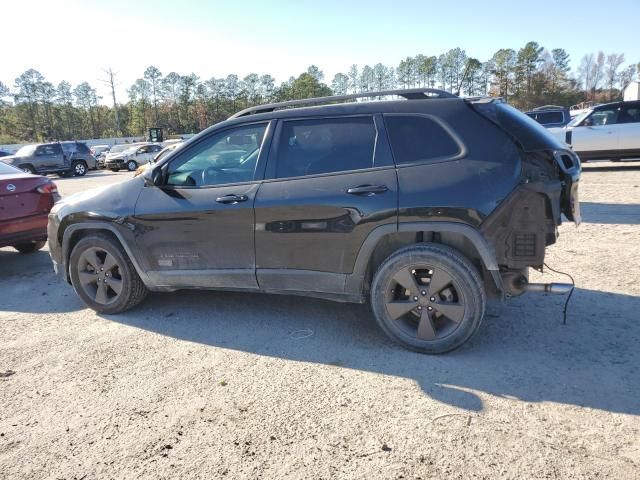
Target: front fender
pixel 118 229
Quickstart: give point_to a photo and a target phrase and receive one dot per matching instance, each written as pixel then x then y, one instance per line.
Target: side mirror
pixel 157 176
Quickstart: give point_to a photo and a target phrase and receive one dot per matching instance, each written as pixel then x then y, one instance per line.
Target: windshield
pixel 26 151
pixel 577 120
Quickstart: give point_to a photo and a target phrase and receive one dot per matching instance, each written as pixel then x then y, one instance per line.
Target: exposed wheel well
pixel 393 242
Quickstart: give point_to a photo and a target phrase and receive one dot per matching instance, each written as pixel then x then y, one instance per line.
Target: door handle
pixel 232 199
pixel 367 190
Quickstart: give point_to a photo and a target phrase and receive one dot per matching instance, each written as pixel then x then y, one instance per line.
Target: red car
pixel 25 202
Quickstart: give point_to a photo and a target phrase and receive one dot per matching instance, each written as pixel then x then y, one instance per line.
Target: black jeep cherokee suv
pixel 424 206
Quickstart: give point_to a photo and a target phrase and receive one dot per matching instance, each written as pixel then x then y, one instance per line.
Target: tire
pixel 418 318
pixel 96 287
pixel 132 165
pixel 27 168
pixel 114 169
pixel 29 247
pixel 79 168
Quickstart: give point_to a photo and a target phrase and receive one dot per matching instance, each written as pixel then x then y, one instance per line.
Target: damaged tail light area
pixel 50 195
pixel 527 221
pixel 48 187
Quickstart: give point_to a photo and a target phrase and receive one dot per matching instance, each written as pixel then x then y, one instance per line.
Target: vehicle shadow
pixel 611 166
pixel 521 351
pixel 614 213
pixel 28 284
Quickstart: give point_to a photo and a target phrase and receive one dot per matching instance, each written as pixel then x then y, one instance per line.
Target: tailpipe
pixel 554 288
pixel 516 283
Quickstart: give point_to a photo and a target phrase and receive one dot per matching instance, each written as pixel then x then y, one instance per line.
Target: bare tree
pixel 111 81
pixel 614 61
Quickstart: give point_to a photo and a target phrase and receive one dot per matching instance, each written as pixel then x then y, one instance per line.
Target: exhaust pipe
pixel 516 283
pixel 555 288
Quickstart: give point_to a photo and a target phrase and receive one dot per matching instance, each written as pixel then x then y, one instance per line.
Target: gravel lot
pixel 211 385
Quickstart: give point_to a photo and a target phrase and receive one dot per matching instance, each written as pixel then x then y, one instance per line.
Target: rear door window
pixel 48 150
pixel 326 145
pixel 418 138
pixel 630 114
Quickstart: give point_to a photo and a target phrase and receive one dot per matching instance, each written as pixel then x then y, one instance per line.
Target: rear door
pixel 329 183
pixel 629 127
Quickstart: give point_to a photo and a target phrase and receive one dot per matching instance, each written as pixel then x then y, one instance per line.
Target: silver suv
pixel 63 158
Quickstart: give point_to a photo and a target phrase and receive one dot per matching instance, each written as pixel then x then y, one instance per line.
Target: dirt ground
pixel 226 385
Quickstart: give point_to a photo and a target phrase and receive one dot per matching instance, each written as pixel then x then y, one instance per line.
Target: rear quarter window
pixel 418 139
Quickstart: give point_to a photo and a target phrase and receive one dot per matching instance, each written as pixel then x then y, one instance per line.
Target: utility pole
pixel 111 75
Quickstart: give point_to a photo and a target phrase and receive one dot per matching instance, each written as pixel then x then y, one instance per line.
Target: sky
pixel 76 40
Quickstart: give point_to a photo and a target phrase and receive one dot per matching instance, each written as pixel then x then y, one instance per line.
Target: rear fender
pixel 356 282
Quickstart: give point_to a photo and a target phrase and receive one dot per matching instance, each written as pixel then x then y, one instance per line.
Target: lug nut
pixel 429 308
pixel 415 299
pixel 419 307
pixel 432 299
pixel 423 292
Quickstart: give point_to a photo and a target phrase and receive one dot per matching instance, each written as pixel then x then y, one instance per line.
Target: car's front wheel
pixel 103 276
pixel 28 168
pixel 132 165
pixel 428 297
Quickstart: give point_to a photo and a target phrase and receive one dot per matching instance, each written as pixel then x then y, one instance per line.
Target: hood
pixel 109 202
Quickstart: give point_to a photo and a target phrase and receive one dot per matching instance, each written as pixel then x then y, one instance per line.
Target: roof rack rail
pixel 409 94
pixel 548 107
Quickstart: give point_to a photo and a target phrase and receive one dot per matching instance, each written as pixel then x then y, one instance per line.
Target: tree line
pixel 34 109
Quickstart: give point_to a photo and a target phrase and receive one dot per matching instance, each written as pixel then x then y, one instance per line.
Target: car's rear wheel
pixel 132 165
pixel 29 247
pixel 27 168
pixel 428 297
pixel 103 276
pixel 79 168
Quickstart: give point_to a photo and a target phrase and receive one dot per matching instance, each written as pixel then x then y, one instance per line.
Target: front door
pixel 598 132
pixel 196 229
pixel 629 128
pixel 329 183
